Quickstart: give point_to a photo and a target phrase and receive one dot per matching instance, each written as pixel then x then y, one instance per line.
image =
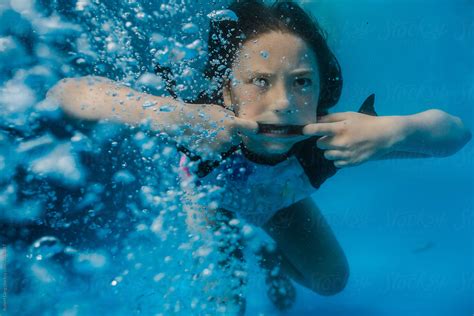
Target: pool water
pixel 93 216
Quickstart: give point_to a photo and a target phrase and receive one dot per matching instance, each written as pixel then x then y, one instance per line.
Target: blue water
pixel 406 226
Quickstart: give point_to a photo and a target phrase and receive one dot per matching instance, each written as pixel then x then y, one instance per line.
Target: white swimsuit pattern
pixel 254 192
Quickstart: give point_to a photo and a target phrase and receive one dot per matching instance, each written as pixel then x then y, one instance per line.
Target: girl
pixel 262 132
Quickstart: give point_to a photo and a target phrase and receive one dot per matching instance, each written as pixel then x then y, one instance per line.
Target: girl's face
pixel 274 80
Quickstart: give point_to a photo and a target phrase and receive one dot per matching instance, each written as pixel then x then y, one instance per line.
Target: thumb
pixel 246 126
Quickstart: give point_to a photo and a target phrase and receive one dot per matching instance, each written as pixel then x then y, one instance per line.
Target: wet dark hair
pixel 254 19
pixel 226 37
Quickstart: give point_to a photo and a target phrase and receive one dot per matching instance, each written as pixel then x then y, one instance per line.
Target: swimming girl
pixel 262 131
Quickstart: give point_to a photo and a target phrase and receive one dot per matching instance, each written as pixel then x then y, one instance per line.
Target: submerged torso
pixel 255 192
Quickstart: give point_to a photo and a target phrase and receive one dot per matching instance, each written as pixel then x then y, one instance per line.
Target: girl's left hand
pixel 351 138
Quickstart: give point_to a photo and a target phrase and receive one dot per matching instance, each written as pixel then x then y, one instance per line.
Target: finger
pixel 331 118
pixel 346 163
pixel 320 129
pixel 328 142
pixel 244 126
pixel 324 142
pixel 341 163
pixel 335 155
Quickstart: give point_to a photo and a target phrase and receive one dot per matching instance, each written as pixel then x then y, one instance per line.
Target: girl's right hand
pixel 208 130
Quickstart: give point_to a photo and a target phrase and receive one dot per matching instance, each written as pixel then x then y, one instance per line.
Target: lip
pixel 278 135
pixel 291 130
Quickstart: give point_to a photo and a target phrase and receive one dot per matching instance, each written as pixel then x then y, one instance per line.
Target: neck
pixel 267 159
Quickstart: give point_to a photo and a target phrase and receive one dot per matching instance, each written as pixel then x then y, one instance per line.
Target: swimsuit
pixel 255 189
pixel 254 192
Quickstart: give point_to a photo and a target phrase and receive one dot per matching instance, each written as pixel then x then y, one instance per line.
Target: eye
pixel 303 82
pixel 261 82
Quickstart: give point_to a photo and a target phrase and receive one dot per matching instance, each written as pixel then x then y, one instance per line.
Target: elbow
pixel 459 134
pixel 72 96
pixel 58 96
pixel 54 97
pixel 54 91
pixel 463 136
pixel 71 85
pixel 59 92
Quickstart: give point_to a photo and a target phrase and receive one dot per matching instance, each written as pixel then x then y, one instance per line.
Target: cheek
pixel 247 103
pixel 245 94
pixel 247 110
pixel 309 106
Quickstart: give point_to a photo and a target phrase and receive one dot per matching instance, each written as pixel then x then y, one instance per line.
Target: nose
pixel 280 99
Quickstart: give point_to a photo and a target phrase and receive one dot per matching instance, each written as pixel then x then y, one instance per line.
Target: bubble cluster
pixel 94 213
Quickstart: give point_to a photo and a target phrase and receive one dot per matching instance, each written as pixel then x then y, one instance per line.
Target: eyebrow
pixel 303 72
pixel 297 72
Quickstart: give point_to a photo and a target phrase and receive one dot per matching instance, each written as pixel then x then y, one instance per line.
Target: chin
pixel 270 148
pixel 275 149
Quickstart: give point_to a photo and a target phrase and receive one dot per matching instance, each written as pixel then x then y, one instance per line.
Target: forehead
pixel 275 51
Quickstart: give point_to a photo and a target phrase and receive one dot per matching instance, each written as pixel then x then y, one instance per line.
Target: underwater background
pixel 91 215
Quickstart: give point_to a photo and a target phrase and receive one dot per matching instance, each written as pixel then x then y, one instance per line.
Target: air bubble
pixel 223 15
pixel 264 54
pixel 45 247
pixel 149 104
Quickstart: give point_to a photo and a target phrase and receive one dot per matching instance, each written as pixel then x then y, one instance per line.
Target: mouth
pixel 280 130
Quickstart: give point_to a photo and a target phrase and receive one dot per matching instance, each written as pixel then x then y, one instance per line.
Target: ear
pixel 227 94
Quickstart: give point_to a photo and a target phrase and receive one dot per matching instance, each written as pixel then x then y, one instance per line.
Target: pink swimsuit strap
pixel 182 165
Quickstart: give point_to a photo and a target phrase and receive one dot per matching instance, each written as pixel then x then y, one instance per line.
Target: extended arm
pixel 431 133
pixel 97 98
pixel 205 129
pixel 351 138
